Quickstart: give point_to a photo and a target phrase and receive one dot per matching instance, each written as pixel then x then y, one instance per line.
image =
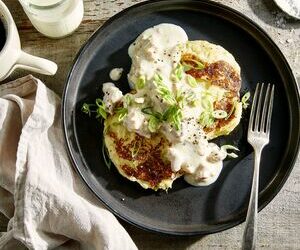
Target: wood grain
pixel 279 222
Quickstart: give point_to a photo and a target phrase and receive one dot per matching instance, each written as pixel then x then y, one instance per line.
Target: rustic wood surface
pixel 279 222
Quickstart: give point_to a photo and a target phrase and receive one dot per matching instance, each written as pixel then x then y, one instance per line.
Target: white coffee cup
pixel 12 56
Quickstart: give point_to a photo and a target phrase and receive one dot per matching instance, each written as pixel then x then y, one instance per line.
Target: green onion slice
pixel 140 82
pixel 191 98
pixel 230 147
pixel 186 67
pixel 158 77
pixel 127 100
pixel 122 112
pixel 192 81
pixel 232 155
pixel 86 109
pixel 150 111
pixel 206 119
pixel 100 112
pixel 164 92
pixel 178 72
pixel 245 99
pixel 219 114
pixel 98 108
pixel 199 64
pixel 153 124
pixel 207 103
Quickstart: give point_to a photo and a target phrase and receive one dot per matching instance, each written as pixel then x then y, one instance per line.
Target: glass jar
pixel 54 18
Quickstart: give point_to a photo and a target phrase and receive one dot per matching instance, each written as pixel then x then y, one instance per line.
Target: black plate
pixel 184 210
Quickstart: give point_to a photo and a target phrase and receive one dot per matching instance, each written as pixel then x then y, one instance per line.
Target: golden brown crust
pixel 219 73
pixel 150 167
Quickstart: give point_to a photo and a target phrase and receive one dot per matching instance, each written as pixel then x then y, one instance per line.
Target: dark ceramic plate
pixel 184 210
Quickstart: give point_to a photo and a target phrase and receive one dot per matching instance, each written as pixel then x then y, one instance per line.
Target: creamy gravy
pixel 157 51
pixel 115 74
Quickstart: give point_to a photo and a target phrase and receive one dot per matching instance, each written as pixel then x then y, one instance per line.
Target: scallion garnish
pixel 207 103
pixel 86 109
pixel 186 67
pixel 100 112
pixel 190 98
pixel 127 100
pixel 206 119
pixel 230 147
pixel 173 115
pixel 155 119
pixel 199 65
pixel 164 92
pixel 192 81
pixel 98 108
pixel 245 99
pixel 219 114
pixel 141 81
pixel 153 124
pixel 178 73
pixel 149 111
pixel 180 98
pixel 122 112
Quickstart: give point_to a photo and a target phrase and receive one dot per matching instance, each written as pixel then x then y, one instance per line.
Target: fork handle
pixel 249 237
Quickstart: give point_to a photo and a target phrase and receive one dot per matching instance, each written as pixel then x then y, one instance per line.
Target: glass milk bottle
pixel 54 18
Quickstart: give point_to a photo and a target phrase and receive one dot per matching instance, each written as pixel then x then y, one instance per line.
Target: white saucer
pixel 290 7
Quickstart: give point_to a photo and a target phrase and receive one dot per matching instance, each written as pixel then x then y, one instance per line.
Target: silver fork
pixel 258 137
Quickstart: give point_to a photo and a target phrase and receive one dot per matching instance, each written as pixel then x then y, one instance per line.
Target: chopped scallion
pixel 230 147
pixel 149 111
pixel 186 67
pixel 245 99
pixel 86 109
pixel 122 112
pixel 163 91
pixel 192 81
pixel 206 119
pixel 232 155
pixel 178 72
pixel 101 110
pixel 219 114
pixel 153 124
pixel 140 82
pixel 199 65
pixel 174 115
pixel 207 104
pixel 127 100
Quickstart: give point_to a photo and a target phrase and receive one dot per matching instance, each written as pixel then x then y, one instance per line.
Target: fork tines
pixel 263 98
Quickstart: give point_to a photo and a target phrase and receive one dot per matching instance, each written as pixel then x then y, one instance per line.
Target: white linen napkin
pixel 46 202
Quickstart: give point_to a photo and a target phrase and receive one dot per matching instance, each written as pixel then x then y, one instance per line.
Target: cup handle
pixel 36 64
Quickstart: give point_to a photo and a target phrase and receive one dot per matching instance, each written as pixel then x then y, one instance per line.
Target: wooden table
pixel 279 222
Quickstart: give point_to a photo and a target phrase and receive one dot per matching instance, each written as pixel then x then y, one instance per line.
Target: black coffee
pixel 2 35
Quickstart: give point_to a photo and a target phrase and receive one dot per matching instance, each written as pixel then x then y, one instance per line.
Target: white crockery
pixel 12 56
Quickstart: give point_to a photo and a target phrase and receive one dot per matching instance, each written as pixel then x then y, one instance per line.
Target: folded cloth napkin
pixel 46 202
